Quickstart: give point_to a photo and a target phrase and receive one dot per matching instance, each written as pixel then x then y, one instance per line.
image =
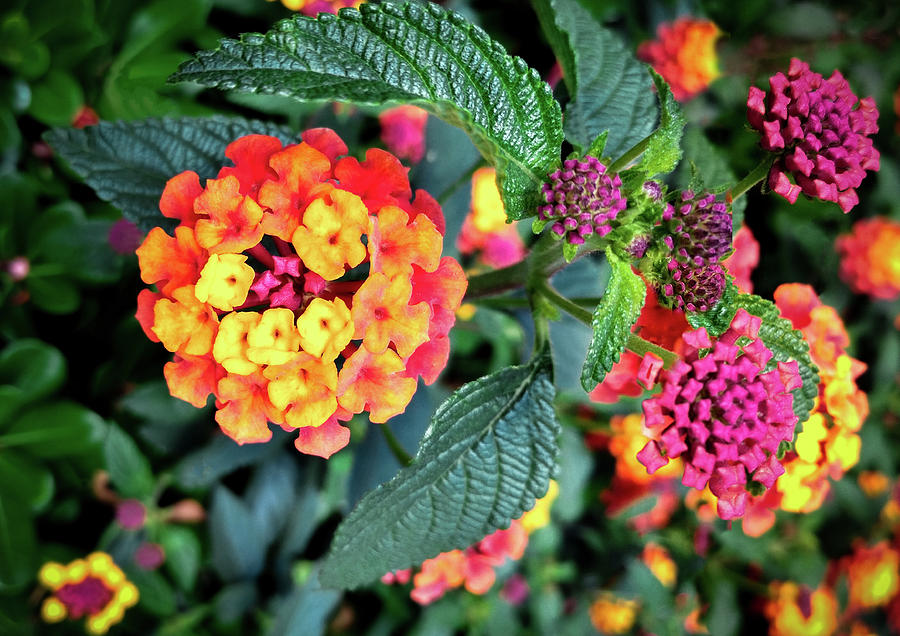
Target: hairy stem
pixel 400 454
pixel 760 172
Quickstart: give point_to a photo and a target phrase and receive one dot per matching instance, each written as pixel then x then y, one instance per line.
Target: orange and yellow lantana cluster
pixel 829 444
pixel 94 587
pixel 684 53
pixel 870 258
pixel 795 609
pixel 300 287
pixel 485 230
pixel 474 566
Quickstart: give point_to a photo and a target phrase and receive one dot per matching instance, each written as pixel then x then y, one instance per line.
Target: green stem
pixel 635 343
pixel 400 454
pixel 638 345
pixel 760 172
pixel 545 259
pixel 635 152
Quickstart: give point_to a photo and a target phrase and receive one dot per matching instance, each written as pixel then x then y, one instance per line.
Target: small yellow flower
pixel 613 615
pixel 224 281
pixel 94 587
pixel 539 516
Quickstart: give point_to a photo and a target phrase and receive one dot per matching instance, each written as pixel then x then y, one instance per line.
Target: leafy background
pixel 78 375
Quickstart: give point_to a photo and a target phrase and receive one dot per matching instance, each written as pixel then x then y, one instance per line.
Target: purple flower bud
pixel 587 199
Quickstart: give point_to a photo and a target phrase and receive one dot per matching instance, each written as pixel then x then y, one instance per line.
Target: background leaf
pixel 613 318
pixel 129 471
pixel 236 551
pixel 612 89
pixel 456 71
pixel 128 163
pixel 58 429
pixel 488 454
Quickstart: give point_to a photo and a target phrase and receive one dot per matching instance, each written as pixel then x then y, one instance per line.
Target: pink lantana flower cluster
pixel 824 141
pixel 723 414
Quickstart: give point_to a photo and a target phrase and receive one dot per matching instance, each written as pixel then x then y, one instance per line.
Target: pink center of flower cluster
pixel 86 597
pixel 581 200
pixel 694 287
pixel 722 414
pixel 825 142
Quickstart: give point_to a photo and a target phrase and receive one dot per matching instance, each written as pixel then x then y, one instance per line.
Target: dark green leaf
pixel 237 552
pixel 305 611
pixel 53 294
pixel 711 163
pixel 55 99
pixel 612 88
pixel 235 600
pixel 26 479
pixel 182 549
pixel 128 469
pixel 559 42
pixel 34 367
pixel 17 542
pixel 486 457
pixel 221 456
pixel 128 163
pixel 664 146
pixel 58 429
pixel 407 52
pixel 157 596
pixel 613 318
pixel 270 493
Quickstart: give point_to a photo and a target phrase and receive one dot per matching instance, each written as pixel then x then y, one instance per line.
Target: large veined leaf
pixel 416 53
pixel 488 454
pixel 613 318
pixel 612 90
pixel 128 163
pixel 777 333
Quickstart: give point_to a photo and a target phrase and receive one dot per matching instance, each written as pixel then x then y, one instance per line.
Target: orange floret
pixel 168 262
pixel 381 315
pixel 874 574
pixel 325 328
pixel 304 389
pixel 375 382
pixel 184 324
pixel 330 236
pixel 192 378
pixel 613 615
pixel 245 409
pixel 177 200
pixel 233 222
pixel 301 173
pixel 395 243
pixel 322 441
pixel 793 609
pixel 251 155
pixel 870 257
pixel 379 180
pixel 274 339
pixel 224 281
pixel 230 346
pixel 684 53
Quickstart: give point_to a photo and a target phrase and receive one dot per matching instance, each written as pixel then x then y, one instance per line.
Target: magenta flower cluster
pixel 581 200
pixel 723 414
pixel 823 140
pixel 697 234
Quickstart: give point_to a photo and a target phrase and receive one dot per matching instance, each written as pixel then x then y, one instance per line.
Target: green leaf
pixel 777 333
pixel 53 294
pixel 34 367
pixel 157 596
pixel 182 549
pixel 128 163
pixel 663 150
pixel 305 611
pixel 612 90
pixel 26 479
pixel 598 146
pixel 559 42
pixel 712 163
pixel 221 456
pixel 488 454
pixel 613 318
pixel 236 552
pixel 58 429
pixel 410 52
pixel 55 99
pixel 129 471
pixel 17 542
